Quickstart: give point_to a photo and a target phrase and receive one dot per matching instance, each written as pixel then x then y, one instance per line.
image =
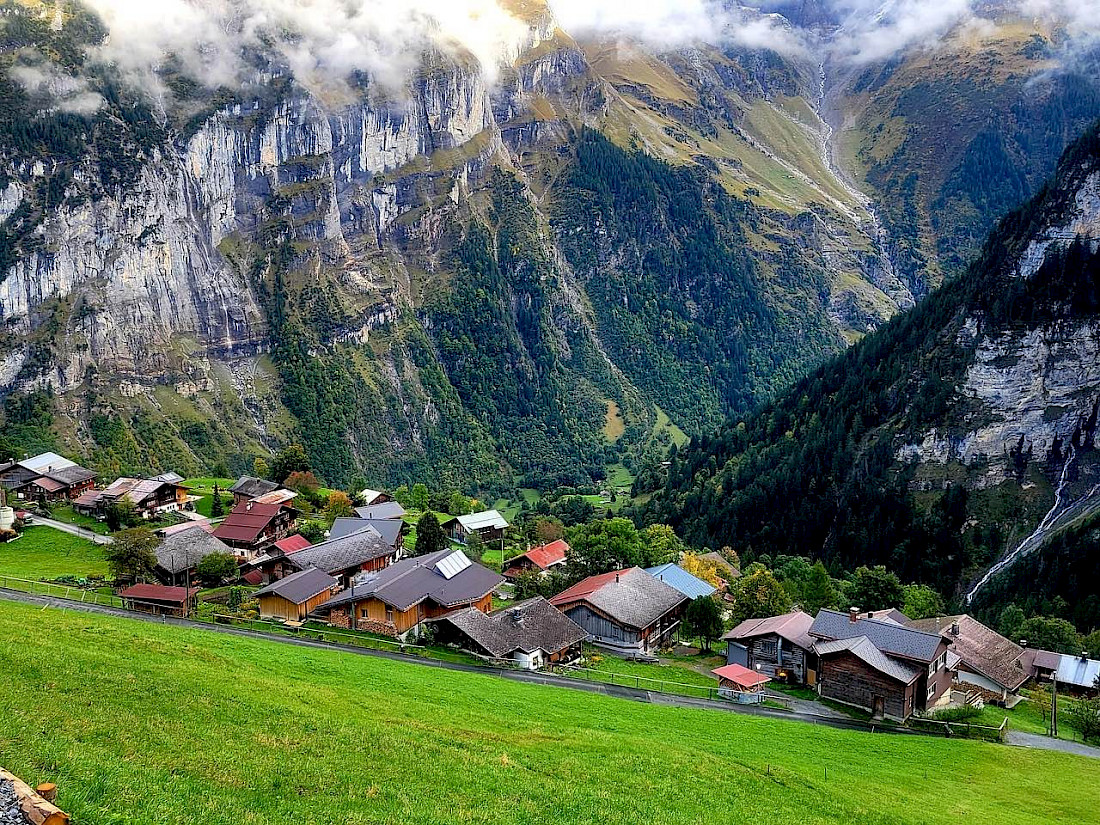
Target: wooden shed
pixel 293 598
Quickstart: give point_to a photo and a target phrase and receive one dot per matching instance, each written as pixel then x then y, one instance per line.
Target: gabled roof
pixel 247 521
pixel 527 626
pixel 251 487
pixel 71 475
pixel 691 586
pixel 292 544
pixel 338 555
pixel 545 556
pixel 980 648
pixel 169 478
pixel 630 597
pixel 485 520
pixel 793 627
pixel 300 587
pixel 276 497
pixel 864 649
pixel 371 496
pixel 184 549
pixel 741 676
pixel 388 528
pixel 412 581
pixel 386 509
pixel 1074 670
pixel 158 593
pixel 44 463
pixel 892 615
pixel 136 490
pixel 887 636
pixel 165 532
pixel 48 484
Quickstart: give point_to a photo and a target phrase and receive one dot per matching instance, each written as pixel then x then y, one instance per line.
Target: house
pixel 291 599
pixel 180 553
pixel 986 659
pixel 362 552
pixel 151 497
pixel 252 528
pixel 46 477
pixel 374 497
pixel 381 510
pixel 1078 674
pixel 878 665
pixel 394 601
pixel 248 488
pixel 392 530
pixel 625 611
pixel 1041 664
pixel 489 526
pixel 533 633
pixel 740 684
pixel 779 647
pixel 691 586
pixel 159 599
pixel 292 544
pixel 540 559
pixel 892 615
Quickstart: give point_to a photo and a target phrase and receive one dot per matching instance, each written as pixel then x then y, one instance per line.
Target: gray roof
pixel 887 636
pixel 527 626
pixel 1078 672
pixel 385 510
pixel 411 581
pixel 71 475
pixel 300 587
pixel 187 548
pixel 864 649
pixel 388 528
pixel 980 648
pixel 253 487
pixel 340 554
pixel 631 597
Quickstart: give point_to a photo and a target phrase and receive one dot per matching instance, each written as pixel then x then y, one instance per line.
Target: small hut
pixel 744 686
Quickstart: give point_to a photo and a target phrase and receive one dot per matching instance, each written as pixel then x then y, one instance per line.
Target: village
pixel 362 569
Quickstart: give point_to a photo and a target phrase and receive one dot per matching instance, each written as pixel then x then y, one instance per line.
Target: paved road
pixel 1034 740
pixel 72 529
pixel 538 678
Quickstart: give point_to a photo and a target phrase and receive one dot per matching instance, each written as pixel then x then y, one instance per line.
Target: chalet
pixel 395 601
pixel 740 684
pixel 181 552
pixel 532 633
pixel 779 647
pixel 46 477
pixel 159 599
pixel 625 611
pixel 878 665
pixel 374 497
pixel 691 586
pixel 540 559
pixel 293 598
pixel 892 615
pixel 346 557
pixel 151 497
pixel 392 530
pixel 1041 664
pixel 489 526
pixel 252 528
pixel 1079 674
pixel 985 659
pixel 249 488
pixel 381 510
pixel 726 570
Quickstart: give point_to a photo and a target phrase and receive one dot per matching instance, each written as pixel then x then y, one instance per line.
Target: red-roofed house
pixel 253 527
pixel 159 600
pixel 778 646
pixel 540 558
pixel 734 682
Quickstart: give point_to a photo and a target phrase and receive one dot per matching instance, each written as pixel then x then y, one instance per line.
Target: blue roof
pixel 676 576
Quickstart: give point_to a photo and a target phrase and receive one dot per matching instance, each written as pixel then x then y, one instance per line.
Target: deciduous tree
pixel 292 459
pixel 703 618
pixel 132 556
pixel 217 567
pixel 338 506
pixel 875 588
pixel 922 602
pixel 759 595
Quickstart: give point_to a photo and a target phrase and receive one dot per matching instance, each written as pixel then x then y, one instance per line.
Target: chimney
pixel 954 628
pixel 248 506
pixel 1084 655
pixel 853 614
pixel 870 614
pixel 616 578
pixel 1023 642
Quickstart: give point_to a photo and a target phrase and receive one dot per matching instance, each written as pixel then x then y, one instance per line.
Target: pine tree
pixel 217 506
pixel 429 535
pixel 819 591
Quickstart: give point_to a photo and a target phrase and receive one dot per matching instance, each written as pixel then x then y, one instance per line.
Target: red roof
pixel 48 484
pixel 247 521
pixel 585 588
pixel 292 544
pixel 740 676
pixel 253 577
pixel 158 593
pixel 549 554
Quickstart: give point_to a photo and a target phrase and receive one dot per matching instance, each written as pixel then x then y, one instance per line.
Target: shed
pixel 159 599
pixel 740 683
pixel 293 598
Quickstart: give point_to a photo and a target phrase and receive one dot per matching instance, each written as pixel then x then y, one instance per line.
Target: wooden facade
pixel 274 606
pixel 848 679
pixel 606 632
pixel 378 617
pixel 775 657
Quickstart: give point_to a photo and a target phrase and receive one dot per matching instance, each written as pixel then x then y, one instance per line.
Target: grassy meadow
pixel 46 554
pixel 141 723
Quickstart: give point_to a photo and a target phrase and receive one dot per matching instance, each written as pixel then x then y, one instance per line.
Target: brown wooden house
pixel 293 598
pixel 159 599
pixel 47 477
pixel 151 497
pixel 878 665
pixel 253 527
pixel 779 647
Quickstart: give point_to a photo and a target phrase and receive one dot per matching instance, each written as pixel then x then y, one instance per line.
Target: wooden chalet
pixel 488 525
pixel 159 599
pixel 151 497
pixel 392 530
pixel 249 488
pixel 878 665
pixel 541 559
pixel 345 558
pixel 252 527
pixel 371 497
pixel 396 600
pixel 626 611
pixel 996 666
pixel 532 633
pixel 48 477
pixel 291 599
pixel 779 647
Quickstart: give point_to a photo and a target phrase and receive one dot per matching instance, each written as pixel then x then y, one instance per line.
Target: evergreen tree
pixel 430 537
pixel 217 506
pixel 819 592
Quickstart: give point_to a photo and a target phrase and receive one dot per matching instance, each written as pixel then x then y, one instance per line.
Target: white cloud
pixel 873 30
pixel 50 87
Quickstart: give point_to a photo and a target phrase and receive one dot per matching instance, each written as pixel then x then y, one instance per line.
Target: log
pixel 35 808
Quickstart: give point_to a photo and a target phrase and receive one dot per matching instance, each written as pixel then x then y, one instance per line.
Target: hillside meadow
pixel 140 723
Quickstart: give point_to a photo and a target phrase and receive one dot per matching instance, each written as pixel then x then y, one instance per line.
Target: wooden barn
pixel 293 598
pixel 779 647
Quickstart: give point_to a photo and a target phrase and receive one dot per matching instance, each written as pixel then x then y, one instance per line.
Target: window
pixel 931 689
pixel 389 615
pixel 766 648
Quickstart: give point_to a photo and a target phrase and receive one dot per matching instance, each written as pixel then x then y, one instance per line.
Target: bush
pixel 965 713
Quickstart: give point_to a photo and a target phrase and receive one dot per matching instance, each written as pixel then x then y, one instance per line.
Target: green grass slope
pixel 45 553
pixel 141 723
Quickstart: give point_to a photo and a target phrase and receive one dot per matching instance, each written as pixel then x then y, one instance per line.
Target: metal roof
pixel 741 676
pixel 292 544
pixel 483 520
pixel 631 597
pixel 545 556
pixel 300 587
pixel 691 586
pixel 386 509
pixel 45 462
pixel 1074 670
pixel 158 593
pixel 864 649
pixel 887 636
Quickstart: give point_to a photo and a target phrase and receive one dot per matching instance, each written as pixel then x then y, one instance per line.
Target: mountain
pixel 491 271
pixel 961 433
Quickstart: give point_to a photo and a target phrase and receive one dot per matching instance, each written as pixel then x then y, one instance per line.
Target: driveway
pixel 1034 740
pixel 72 529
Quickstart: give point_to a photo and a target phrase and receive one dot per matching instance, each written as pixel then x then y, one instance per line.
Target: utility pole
pixel 1054 705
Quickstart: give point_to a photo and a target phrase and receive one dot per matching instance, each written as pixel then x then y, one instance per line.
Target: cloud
pixel 1080 17
pixel 872 30
pixel 50 87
